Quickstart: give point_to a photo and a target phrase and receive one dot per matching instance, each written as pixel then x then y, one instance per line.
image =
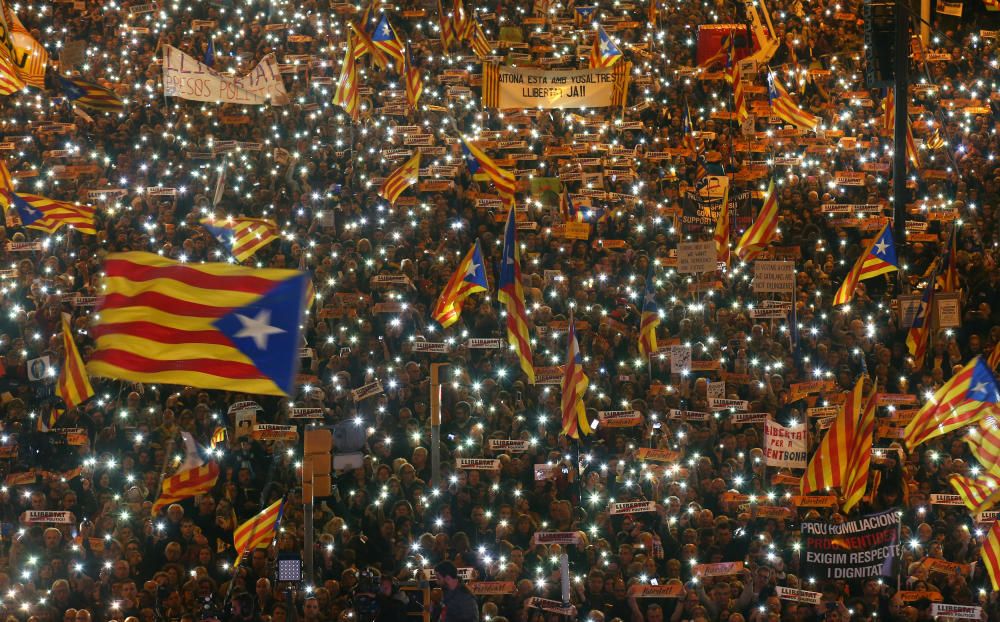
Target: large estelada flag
pixel 213 326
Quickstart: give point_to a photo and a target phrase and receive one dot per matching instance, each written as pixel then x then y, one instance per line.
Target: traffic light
pixel 880 43
pixel 316 462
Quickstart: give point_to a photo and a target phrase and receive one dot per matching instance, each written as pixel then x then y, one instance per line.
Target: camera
pixel 365 600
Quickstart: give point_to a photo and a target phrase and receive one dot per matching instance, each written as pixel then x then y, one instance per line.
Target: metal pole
pixel 436 423
pixel 564 578
pixel 310 545
pixel 925 22
pixel 902 66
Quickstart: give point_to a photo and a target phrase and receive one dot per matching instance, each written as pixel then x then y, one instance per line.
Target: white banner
pixel 188 78
pixel 521 87
pixel 784 446
pixel 961 612
pixel 773 276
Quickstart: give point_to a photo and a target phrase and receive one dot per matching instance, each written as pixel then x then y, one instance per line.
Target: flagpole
pixel 263 496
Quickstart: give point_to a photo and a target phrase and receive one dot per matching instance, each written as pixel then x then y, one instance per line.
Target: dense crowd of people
pixel 387 522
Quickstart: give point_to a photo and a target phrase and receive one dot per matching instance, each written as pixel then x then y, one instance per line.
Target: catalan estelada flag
pixel 604 53
pixel 385 38
pixel 980 493
pixel 478 161
pixel 889 118
pixel 413 79
pixel 90 95
pixel 242 236
pixel 49 215
pixel 73 385
pixel 918 337
pixel 259 531
pixel 43 213
pixel 348 94
pixel 984 443
pixel 213 326
pixel 990 553
pixel 860 459
pixel 44 423
pixel 469 278
pixel 830 465
pixel 364 45
pixel 568 209
pixel 734 76
pixel 400 179
pixel 764 229
pixel 687 130
pixel 785 108
pixel 649 319
pixel 968 396
pixel 186 484
pixel 480 44
pixel 879 258
pixel 510 292
pixel 574 386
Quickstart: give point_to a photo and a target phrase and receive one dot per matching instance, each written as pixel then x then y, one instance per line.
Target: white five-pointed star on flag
pixel 880 247
pixel 258 328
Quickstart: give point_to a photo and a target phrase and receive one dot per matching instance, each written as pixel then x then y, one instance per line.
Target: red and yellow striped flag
pixel 73 385
pixel 259 531
pixel 480 44
pixel 11 74
pixel 649 319
pixel 763 231
pixel 990 554
pixel 186 484
pixel 244 236
pixel 413 79
pixel 994 359
pixel 979 494
pixel 364 45
pixel 574 386
pixel 348 95
pixel 968 396
pixel 447 31
pixel 984 443
pixel 860 460
pixel 879 258
pixel 477 161
pixel 400 179
pixel 889 119
pixel 469 278
pixel 212 325
pixel 829 465
pixel 785 108
pixel 510 292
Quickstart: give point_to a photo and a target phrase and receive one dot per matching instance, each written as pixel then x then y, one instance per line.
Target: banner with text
pixel 188 78
pixel 855 549
pixel 523 87
pixel 785 446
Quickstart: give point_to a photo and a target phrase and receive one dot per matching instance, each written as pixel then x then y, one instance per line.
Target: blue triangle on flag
pixel 267 330
pixel 982 386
